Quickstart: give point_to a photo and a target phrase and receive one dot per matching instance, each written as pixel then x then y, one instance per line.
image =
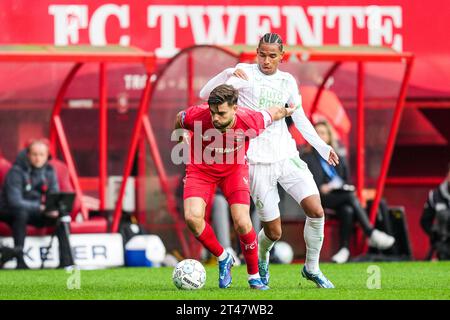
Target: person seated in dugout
pixel 22 201
pixel 435 220
pixel 337 194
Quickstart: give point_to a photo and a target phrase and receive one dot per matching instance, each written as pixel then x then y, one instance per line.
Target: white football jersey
pixel 260 92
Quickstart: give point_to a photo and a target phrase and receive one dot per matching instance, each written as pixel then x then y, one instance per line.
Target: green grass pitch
pixel 398 281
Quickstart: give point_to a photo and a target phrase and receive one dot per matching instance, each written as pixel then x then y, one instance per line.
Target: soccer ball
pixel 283 253
pixel 189 274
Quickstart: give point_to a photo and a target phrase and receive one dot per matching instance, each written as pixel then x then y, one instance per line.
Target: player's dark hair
pixel 272 38
pixel 223 93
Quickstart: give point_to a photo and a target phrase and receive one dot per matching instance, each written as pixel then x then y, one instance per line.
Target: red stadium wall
pixel 167 26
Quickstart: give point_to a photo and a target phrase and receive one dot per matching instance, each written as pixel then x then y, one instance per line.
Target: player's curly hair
pixel 223 93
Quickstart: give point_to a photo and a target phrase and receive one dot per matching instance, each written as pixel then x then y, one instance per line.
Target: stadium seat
pixel 5 230
pixel 5 165
pixel 93 225
pixel 62 173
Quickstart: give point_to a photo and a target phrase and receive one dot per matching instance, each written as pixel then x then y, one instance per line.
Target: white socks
pixel 253 276
pixel 223 256
pixel 264 245
pixel 313 234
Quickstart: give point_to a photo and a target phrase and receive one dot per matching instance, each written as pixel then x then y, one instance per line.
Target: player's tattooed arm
pixel 178 124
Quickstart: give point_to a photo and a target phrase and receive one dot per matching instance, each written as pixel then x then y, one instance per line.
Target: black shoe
pixel 21 265
pixel 65 251
pixel 6 254
pixel 66 260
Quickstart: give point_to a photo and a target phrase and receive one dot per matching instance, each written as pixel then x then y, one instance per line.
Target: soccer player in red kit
pixel 221 132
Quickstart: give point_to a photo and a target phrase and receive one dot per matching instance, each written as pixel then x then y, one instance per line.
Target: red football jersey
pixel 216 152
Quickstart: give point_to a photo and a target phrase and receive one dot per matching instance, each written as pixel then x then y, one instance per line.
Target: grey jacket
pixel 24 185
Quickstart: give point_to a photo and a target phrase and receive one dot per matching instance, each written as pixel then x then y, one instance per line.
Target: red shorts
pixel 235 185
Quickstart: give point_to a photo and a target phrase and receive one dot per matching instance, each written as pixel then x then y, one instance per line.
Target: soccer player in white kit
pixel 273 156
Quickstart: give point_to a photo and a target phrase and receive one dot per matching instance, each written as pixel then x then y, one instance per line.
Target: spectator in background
pixel 435 219
pixel 337 194
pixel 22 199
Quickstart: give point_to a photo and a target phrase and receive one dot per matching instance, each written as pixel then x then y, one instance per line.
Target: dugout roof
pixel 331 53
pixel 79 53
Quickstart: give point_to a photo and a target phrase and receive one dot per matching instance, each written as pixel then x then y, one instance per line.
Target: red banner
pixel 167 26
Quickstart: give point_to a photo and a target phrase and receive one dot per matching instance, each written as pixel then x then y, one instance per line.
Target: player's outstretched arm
pixel 231 76
pixel 333 158
pixel 278 113
pixel 309 133
pixel 306 128
pixel 219 79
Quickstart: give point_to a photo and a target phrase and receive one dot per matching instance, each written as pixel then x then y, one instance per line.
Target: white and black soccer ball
pixel 282 253
pixel 189 274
